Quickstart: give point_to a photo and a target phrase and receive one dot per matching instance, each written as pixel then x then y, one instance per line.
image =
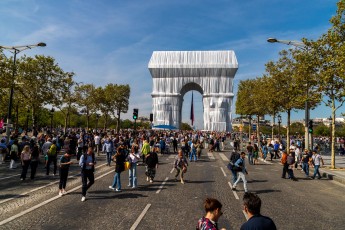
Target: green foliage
pixel 185 126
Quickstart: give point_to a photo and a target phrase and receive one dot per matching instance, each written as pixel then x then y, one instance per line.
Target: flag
pixel 192 111
pixel 1 123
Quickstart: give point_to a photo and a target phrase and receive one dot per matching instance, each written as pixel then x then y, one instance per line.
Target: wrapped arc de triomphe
pixel 211 73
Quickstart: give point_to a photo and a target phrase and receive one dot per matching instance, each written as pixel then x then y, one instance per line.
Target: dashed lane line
pixel 224 158
pixel 141 216
pixel 210 155
pixel 3 178
pixel 46 202
pixel 234 192
pixel 41 187
pixel 223 171
pixel 162 185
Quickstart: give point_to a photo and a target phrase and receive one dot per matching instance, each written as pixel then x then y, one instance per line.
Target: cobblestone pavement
pixel 168 204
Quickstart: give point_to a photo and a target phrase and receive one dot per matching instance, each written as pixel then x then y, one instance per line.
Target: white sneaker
pixel 83 199
pixel 118 190
pixel 60 193
pixel 151 181
pixel 64 192
pixel 111 187
pixel 147 178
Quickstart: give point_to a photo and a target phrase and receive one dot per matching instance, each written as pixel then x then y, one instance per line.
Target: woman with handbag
pixel 180 165
pixel 119 159
pixel 133 160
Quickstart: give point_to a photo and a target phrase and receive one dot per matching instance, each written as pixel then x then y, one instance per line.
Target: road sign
pixel 254 127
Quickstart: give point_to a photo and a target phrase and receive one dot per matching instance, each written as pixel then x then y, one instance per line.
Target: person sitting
pixel 252 206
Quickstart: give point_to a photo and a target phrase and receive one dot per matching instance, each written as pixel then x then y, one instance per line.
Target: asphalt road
pixel 166 204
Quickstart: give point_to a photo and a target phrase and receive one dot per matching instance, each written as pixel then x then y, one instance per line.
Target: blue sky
pixel 111 41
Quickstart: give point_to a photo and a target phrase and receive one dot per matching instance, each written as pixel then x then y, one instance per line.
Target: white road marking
pixel 141 216
pixel 234 192
pixel 9 177
pixel 224 158
pixel 172 170
pixel 44 186
pixel 223 171
pixel 45 202
pixel 162 185
pixel 210 155
pixel 172 156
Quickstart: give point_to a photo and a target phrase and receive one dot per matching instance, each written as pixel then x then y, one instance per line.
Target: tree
pixel 329 53
pixel 185 126
pixel 85 99
pixel 40 79
pixel 121 100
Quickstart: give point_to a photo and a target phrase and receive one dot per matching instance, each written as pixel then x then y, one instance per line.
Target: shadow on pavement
pixel 120 195
pixel 198 182
pixel 255 181
pixel 266 191
pixel 6 196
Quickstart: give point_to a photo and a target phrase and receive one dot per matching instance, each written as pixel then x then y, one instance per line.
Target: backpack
pixel 52 150
pixel 290 160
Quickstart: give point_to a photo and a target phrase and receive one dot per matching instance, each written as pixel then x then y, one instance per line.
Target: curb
pixel 331 176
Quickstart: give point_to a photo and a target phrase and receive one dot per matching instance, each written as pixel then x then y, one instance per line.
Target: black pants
pixel 285 170
pixel 51 159
pixel 175 148
pixel 276 155
pixel 33 166
pixel 63 177
pixel 87 174
pixel 25 166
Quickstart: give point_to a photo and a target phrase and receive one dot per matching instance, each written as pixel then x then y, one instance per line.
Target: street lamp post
pixel 301 45
pixel 330 132
pixel 279 122
pixel 15 50
pixel 51 119
pixel 250 126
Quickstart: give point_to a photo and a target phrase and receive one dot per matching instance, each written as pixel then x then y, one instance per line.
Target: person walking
pixel 255 154
pixel 65 162
pixel 120 159
pixel 108 148
pixel 133 160
pixel 283 161
pixel 25 160
pixel 180 165
pixel 250 150
pixel 306 157
pixel 192 152
pixel 34 161
pixel 152 164
pixel 213 209
pixel 87 163
pixel 276 149
pixel 14 154
pixel 234 156
pixel 52 158
pixel 317 160
pixel 256 221
pixel 145 150
pixel 240 166
pixel 174 142
pixel 264 151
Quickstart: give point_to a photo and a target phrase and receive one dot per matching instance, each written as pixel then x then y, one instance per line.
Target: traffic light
pixel 310 126
pixel 135 113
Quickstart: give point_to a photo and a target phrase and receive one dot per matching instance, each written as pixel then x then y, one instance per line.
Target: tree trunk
pixel 258 129
pixel 273 124
pixel 288 132
pixel 105 121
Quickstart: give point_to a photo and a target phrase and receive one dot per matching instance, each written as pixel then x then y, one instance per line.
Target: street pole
pixel 279 122
pixel 301 45
pixel 15 50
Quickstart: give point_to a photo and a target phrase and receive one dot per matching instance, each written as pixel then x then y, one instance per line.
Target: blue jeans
pixel 316 171
pixel 250 158
pixel 305 167
pixel 133 175
pixel 234 176
pixel 117 180
pixel 109 154
pixel 192 154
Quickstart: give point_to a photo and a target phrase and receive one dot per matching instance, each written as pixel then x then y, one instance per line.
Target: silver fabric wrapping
pixel 211 73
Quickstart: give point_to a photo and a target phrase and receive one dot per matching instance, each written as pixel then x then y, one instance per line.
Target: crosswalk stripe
pixel 224 158
pixel 210 155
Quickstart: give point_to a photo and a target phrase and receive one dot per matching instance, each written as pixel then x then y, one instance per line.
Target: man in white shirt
pixel 97 143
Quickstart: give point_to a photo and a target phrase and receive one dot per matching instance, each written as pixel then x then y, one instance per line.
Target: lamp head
pixel 42 44
pixel 272 40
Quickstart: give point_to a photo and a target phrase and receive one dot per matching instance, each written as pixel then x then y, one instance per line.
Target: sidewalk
pixel 337 174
